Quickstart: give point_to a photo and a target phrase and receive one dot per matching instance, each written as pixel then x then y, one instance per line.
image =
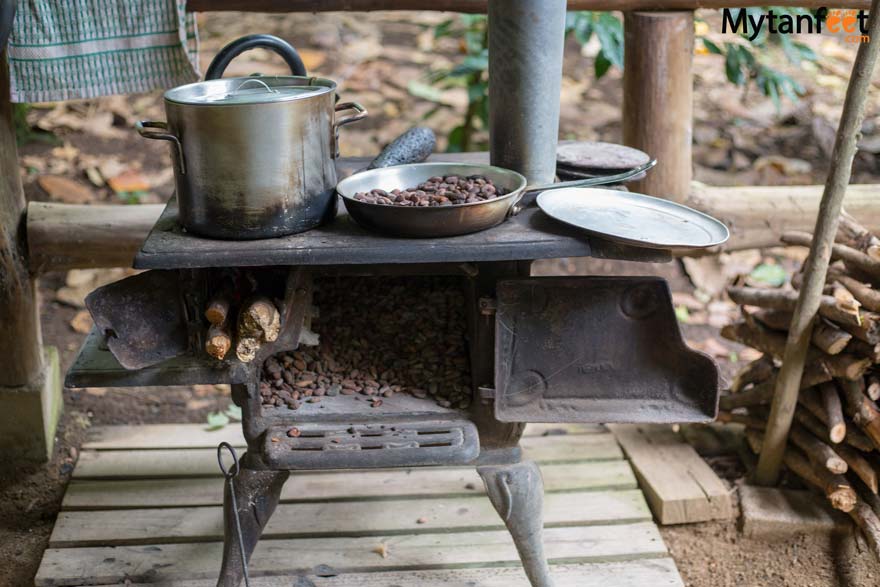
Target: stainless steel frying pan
pixel 442 221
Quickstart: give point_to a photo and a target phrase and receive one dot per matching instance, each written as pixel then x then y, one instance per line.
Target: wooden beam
pixel 68 236
pixel 658 98
pixel 758 215
pixel 20 339
pixel 30 379
pixel 480 6
pixel 71 236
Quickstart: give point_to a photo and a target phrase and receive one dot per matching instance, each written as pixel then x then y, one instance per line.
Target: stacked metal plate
pixel 586 159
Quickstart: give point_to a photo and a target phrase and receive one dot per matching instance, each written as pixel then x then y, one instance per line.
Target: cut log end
pixel 837 433
pixel 218 342
pixel 842 498
pixel 246 349
pixel 260 319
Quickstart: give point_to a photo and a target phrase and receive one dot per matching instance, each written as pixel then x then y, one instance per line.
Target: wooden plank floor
pixel 145 508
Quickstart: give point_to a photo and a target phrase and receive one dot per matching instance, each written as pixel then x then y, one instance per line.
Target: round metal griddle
pixel 634 219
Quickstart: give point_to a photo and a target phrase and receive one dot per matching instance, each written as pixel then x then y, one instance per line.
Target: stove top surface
pixel 529 235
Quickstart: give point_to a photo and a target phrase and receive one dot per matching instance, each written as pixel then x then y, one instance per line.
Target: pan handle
pixel 594 181
pixel 517 207
pixel 142 127
pixel 239 46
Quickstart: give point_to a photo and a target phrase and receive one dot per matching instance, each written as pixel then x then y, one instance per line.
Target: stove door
pixel 596 349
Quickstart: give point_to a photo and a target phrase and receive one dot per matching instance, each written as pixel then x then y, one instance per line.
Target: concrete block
pixel 29 414
pixel 778 513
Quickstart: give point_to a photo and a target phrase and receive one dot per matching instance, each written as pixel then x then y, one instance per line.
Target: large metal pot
pixel 254 156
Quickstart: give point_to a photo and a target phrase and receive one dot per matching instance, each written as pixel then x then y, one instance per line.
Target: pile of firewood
pixel 255 321
pixel 834 443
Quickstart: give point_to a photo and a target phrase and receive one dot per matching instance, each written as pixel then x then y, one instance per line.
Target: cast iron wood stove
pixel 542 349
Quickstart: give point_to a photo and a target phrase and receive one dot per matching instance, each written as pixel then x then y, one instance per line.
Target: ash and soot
pixel 378 336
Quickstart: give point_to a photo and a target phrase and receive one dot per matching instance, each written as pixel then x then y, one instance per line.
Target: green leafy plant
pixel 471 73
pixel 772 275
pixel 607 28
pixel 24 132
pixel 742 65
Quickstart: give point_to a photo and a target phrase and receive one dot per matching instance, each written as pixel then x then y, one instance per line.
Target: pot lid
pixel 249 90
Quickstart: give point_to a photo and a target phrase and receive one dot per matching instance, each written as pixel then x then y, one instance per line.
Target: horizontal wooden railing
pixel 479 6
pixel 67 236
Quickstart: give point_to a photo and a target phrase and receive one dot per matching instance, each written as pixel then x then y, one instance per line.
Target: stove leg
pixel 257 494
pixel 517 492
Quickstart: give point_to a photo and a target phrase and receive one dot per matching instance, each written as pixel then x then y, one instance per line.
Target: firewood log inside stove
pixel 218 342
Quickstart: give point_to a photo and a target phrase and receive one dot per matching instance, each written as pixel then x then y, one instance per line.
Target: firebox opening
pixel 382 345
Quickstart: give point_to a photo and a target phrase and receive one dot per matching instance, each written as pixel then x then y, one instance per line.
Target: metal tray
pixel 634 219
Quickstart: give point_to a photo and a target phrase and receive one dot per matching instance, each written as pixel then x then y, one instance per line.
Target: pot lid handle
pixel 253 79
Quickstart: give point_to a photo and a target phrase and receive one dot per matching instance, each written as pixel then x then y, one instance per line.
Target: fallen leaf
pixel 721 313
pixel 204 390
pixel 33 163
pixel 82 322
pixel 749 354
pixel 382 550
pixel 100 124
pixel 680 298
pixel 786 165
pixel 95 177
pixel 217 420
pixel 766 274
pixel 129 180
pixel 233 412
pixel 312 58
pixel 62 189
pixel 199 404
pixel 67 152
pixel 80 282
pixel 111 167
pixel 712 347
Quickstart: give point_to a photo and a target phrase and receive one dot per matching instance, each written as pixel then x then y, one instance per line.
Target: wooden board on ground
pixel 202 462
pixel 144 508
pixel 678 484
pixel 370 485
pixel 647 572
pixel 351 518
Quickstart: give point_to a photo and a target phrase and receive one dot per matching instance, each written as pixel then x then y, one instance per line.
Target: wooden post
pixel 29 383
pixel 658 97
pixel 789 380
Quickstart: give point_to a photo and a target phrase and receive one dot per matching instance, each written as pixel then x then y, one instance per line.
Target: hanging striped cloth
pixel 73 49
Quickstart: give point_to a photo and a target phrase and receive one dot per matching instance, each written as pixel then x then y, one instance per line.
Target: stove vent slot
pixel 331 445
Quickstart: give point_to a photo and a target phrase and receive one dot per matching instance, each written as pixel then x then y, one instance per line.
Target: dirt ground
pixel 738 140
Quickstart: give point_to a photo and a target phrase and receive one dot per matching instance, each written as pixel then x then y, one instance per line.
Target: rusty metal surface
pixel 529 235
pixel 142 318
pixel 389 442
pixel 95 366
pixel 596 349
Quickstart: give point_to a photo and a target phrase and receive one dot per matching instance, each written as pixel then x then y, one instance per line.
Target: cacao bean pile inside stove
pixel 437 191
pixel 379 336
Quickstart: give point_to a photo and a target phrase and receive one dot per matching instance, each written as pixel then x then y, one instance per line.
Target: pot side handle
pixel 142 127
pixel 237 47
pixel 359 114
